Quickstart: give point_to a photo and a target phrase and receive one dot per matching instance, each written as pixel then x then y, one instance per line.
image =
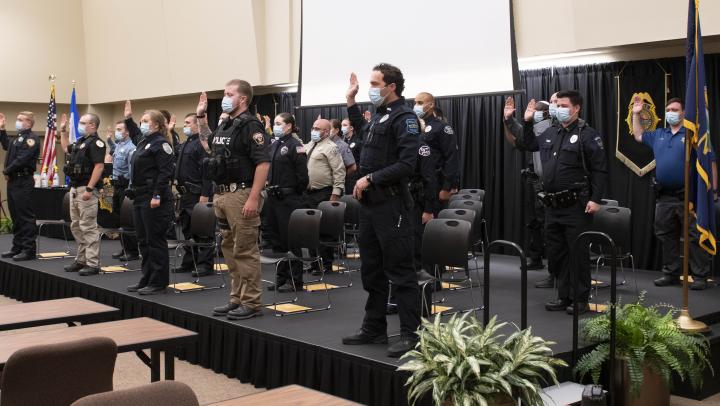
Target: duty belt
pixel 21 173
pixel 280 192
pixel 559 200
pixel 188 187
pixel 232 187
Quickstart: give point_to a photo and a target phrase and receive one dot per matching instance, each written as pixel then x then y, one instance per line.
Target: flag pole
pixel 685 320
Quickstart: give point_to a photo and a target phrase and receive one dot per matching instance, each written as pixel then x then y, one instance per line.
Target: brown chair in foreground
pixel 58 374
pixel 163 393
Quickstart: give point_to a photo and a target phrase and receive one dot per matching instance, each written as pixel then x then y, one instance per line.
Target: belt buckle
pixel 233 187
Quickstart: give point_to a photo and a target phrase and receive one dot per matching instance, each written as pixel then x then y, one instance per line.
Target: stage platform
pixel 306 349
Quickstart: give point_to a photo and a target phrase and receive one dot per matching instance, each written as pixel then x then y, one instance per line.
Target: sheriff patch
pixel 259 138
pixel 30 142
pixel 448 130
pixel 100 144
pixel 167 148
pixel 424 150
pixel 412 127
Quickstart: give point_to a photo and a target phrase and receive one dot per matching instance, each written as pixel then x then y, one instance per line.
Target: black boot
pixel 399 348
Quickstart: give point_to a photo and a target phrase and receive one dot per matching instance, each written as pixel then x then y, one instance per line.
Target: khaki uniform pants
pixel 239 247
pixel 84 227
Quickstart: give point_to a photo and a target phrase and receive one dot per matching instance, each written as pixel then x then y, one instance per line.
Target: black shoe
pixel 129 257
pixel 135 287
pixel 583 308
pixel 557 305
pixel 201 272
pixel 548 282
pixel 152 290
pixel 244 312
pixel 180 269
pixel 74 267
pixel 287 287
pixel 697 284
pixel 118 254
pixel 223 310
pixel 24 256
pixel 89 270
pixel 361 337
pixel 391 308
pixel 401 347
pixel 667 280
pixel 9 254
pixel 535 264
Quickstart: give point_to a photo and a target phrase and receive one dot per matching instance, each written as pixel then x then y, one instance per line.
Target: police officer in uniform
pixel 387 162
pixel 574 180
pixel 513 130
pixel 441 139
pixel 86 161
pixel 287 181
pixel 152 202
pixel 354 141
pixel 343 147
pixel 239 167
pixel 22 153
pixel 124 148
pixel 193 189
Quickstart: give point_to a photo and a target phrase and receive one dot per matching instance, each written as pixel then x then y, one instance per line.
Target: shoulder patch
pixel 411 125
pixel 167 148
pixel 300 149
pixel 100 144
pixel 259 138
pixel 448 130
pixel 599 141
pixel 30 142
pixel 424 151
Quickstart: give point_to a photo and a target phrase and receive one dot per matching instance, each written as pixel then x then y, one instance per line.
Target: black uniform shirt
pixel 189 165
pixel 248 143
pixel 86 152
pixel 425 174
pixel 391 146
pixel 440 137
pixel 566 154
pixel 152 164
pixel 355 144
pixel 288 167
pixel 22 152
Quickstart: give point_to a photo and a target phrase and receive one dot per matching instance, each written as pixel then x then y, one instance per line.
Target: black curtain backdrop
pixel 488 162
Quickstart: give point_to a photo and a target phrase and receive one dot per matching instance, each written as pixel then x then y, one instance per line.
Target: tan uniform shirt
pixel 325 166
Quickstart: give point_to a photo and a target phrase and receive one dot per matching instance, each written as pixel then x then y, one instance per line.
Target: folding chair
pixel 352 224
pixel 477 192
pixel 203 225
pixel 615 221
pixel 465 196
pixel 332 234
pixel 64 222
pixel 469 216
pixel 126 227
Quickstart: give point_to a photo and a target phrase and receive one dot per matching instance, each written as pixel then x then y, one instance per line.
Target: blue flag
pixel 696 123
pixel 74 118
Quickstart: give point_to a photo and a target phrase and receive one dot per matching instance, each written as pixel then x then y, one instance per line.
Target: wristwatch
pixel 89 189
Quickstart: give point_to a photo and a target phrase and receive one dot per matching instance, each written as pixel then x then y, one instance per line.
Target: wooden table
pixel 70 310
pixel 129 335
pixel 293 395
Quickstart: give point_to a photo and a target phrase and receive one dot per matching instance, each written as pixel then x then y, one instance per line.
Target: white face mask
pixel 187 131
pixel 418 109
pixel 118 136
pixel 19 125
pixel 345 130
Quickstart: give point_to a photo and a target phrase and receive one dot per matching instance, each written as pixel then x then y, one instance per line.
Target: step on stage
pixel 306 349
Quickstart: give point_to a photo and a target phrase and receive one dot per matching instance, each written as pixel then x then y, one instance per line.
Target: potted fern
pixel 462 363
pixel 650 347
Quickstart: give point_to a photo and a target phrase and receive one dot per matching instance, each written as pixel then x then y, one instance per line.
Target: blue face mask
pixel 418 109
pixel 227 104
pixel 19 125
pixel 553 110
pixel 278 131
pixel 315 136
pixel 187 131
pixel 118 136
pixel 375 97
pixel 672 117
pixel 145 128
pixel 344 130
pixel 81 130
pixel 539 116
pixel 563 114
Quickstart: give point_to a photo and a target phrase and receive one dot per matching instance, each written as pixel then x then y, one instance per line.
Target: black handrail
pixel 591 237
pixel 523 281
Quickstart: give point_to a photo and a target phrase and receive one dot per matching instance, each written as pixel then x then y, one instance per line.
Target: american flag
pixel 48 156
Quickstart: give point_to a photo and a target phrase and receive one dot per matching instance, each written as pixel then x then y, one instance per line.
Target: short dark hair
pixel 574 96
pixel 336 124
pixel 94 118
pixel 288 118
pixel 676 100
pixel 243 87
pixel 167 115
pixel 392 74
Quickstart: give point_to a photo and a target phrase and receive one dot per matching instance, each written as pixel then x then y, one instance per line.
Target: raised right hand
pixel 63 123
pixel 637 105
pixel 530 110
pixel 202 104
pixel 2 121
pixel 509 108
pixel 128 109
pixel 353 88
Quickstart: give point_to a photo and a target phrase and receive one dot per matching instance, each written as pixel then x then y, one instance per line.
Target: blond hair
pixel 28 114
pixel 158 118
